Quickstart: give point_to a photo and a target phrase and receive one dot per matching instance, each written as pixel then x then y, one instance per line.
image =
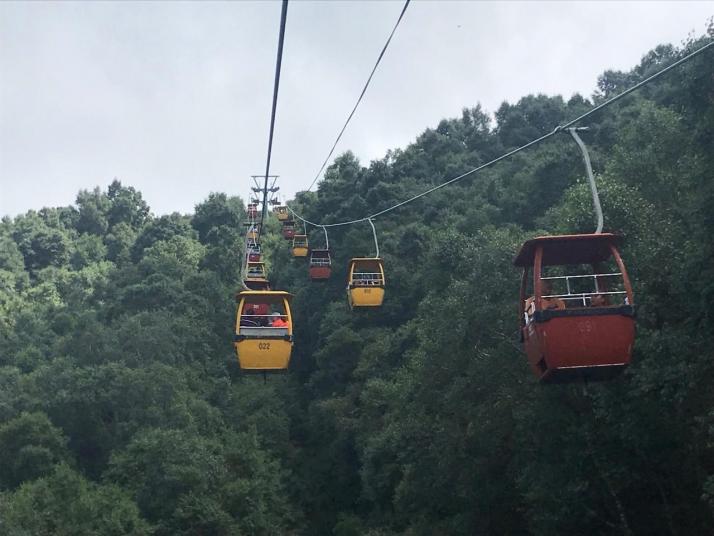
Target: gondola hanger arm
pixel 591 178
pixel 374 233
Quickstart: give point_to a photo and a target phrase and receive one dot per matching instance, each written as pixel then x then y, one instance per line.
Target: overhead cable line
pixel 519 149
pixel 364 90
pixel 278 63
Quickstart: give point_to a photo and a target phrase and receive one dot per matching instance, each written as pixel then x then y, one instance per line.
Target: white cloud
pixel 174 98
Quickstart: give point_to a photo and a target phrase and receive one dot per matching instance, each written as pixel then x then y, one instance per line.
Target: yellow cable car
pixel 282 212
pixel 255 271
pixel 253 232
pixel 300 245
pixel 264 330
pixel 365 284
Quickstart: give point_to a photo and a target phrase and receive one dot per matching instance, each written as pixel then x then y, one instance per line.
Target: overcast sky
pixel 174 98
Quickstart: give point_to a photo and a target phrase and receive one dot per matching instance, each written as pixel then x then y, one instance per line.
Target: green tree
pixel 31 446
pixel 88 249
pixel 218 211
pixel 162 228
pixel 65 504
pixel 93 209
pixel 126 206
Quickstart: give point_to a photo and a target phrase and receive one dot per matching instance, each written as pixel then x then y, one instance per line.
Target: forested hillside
pixel 123 410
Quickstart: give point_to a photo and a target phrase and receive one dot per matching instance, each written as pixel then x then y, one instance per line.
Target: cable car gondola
pixel 253 252
pixel 255 271
pixel 288 230
pixel 300 248
pixel 320 267
pixel 579 323
pixel 253 232
pixel 264 330
pixel 282 212
pixel 252 210
pixel 365 284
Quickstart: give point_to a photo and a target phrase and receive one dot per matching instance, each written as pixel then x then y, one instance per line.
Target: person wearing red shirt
pixel 278 322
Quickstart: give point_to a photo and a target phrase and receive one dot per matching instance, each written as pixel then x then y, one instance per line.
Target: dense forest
pixel 123 410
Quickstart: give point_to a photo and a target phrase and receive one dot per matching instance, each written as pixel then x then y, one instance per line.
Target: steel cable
pixel 536 141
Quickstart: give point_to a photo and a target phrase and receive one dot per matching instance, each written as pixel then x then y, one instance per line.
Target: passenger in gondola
pixel 248 317
pixel 599 300
pixel 548 303
pixel 277 321
pixel 262 309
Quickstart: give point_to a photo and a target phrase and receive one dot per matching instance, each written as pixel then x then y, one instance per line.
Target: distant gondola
pixel 320 267
pixel 365 283
pixel 252 210
pixel 255 271
pixel 288 230
pixel 253 252
pixel 282 212
pixel 300 244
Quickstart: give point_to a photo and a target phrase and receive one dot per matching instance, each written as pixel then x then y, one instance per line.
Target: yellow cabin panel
pixel 299 251
pixel 365 296
pixel 260 347
pixel 366 282
pixel 263 354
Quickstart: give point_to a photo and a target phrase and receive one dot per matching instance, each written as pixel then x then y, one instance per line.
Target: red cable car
pixel 253 252
pixel 252 211
pixel 288 230
pixel 320 267
pixel 579 321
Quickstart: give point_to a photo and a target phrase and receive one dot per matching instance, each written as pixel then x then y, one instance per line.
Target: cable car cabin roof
pixel 256 284
pixel 568 249
pixel 264 296
pixel 256 279
pixel 367 261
